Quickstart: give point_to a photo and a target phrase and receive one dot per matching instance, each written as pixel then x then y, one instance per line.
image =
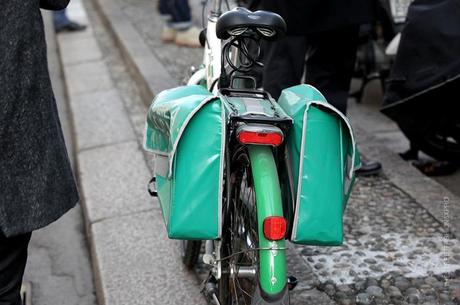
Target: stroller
pixel 422 91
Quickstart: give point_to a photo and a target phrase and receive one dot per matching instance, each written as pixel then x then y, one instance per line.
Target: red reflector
pixel 274 227
pixel 250 137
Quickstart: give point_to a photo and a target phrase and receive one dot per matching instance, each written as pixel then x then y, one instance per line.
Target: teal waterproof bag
pixel 185 130
pixel 321 159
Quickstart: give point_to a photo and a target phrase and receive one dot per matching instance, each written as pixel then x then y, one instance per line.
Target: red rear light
pixel 275 228
pixel 248 137
pixel 260 134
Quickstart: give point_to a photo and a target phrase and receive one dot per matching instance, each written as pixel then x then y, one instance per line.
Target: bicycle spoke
pixel 244 291
pixel 242 231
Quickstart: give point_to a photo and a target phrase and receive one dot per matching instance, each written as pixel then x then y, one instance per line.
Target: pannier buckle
pixel 151 187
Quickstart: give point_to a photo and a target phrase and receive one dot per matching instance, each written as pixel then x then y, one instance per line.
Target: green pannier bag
pixel 185 130
pixel 321 158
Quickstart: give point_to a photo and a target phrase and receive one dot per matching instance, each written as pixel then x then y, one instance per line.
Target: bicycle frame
pixel 212 51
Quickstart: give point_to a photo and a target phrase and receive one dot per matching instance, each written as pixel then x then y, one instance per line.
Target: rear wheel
pixel 190 250
pixel 240 235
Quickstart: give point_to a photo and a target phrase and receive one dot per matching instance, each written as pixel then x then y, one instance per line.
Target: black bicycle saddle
pixel 269 25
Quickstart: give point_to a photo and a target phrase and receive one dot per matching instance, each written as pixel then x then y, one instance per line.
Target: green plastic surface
pixel 184 129
pixel 268 200
pixel 323 157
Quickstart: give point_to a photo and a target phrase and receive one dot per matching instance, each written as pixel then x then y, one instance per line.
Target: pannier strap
pixel 152 188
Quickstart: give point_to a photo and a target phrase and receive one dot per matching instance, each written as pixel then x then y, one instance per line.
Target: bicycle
pixel 245 246
pixel 241 262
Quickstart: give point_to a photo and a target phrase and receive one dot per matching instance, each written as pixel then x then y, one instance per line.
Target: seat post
pixel 216 7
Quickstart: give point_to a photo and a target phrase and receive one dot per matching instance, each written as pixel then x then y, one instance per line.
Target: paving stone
pixel 87 77
pixel 100 119
pixel 363 299
pixel 114 181
pixel 374 291
pixel 413 298
pixel 79 49
pixel 312 296
pixel 393 291
pixel 402 284
pixel 139 265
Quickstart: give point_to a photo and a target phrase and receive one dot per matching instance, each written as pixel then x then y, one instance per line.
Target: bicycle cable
pixel 247 250
pixel 246 60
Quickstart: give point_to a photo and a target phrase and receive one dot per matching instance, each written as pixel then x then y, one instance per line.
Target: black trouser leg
pixel 284 63
pixel 330 63
pixel 13 257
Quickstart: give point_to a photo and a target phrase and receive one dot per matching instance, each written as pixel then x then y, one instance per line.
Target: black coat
pixel 314 16
pixel 36 181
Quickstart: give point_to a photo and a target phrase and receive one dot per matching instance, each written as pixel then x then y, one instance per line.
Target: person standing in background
pixel 36 181
pixel 178 23
pixel 62 22
pixel 322 41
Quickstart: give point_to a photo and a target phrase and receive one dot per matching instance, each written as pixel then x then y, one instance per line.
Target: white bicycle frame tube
pixel 212 52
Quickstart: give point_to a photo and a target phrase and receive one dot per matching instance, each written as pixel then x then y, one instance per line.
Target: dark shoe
pixel 369 168
pixel 435 168
pixel 411 154
pixel 71 27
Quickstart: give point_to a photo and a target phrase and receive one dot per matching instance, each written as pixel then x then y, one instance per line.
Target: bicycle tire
pixel 240 216
pixel 190 250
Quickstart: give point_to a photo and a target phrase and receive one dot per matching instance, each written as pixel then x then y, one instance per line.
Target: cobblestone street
pixel 394 252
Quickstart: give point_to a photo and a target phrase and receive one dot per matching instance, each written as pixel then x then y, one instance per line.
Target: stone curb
pixel 142 63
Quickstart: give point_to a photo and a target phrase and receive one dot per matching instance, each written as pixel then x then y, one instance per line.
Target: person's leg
pixel 63 23
pixel 330 64
pixel 284 62
pixel 13 257
pixel 60 19
pixel 179 27
pixel 163 7
pixel 181 18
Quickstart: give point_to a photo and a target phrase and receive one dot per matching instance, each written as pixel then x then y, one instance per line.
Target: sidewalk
pixel 59 267
pixel 396 249
pixel 134 262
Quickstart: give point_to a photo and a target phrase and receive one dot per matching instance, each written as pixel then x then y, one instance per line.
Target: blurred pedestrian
pixel 36 181
pixel 321 43
pixel 63 23
pixel 178 26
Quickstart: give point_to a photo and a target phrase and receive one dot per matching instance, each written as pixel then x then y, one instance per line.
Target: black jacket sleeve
pixel 54 5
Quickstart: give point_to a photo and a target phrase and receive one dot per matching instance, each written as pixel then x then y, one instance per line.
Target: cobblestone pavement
pixel 395 252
